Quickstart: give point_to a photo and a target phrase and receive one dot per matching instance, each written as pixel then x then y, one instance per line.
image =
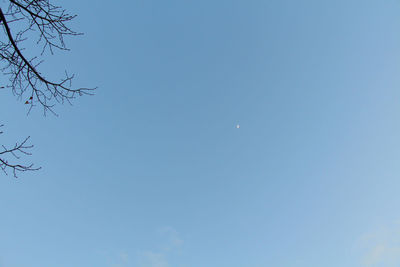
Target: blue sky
pixel 152 171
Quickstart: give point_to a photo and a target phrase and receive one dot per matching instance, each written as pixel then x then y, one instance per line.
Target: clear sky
pixel 152 171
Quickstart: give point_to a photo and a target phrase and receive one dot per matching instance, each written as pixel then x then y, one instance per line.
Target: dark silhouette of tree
pixel 47 23
pixel 9 154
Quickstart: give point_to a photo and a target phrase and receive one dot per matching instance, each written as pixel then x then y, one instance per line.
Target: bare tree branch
pixel 22 20
pixel 8 156
pixel 49 22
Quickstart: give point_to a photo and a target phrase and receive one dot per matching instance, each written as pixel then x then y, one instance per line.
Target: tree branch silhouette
pixel 49 23
pixel 8 156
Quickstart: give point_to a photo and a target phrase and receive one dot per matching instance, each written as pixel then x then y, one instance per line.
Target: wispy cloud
pixel 153 259
pixel 167 244
pixel 174 241
pixel 382 247
pixel 124 256
pixel 121 260
pixel 159 257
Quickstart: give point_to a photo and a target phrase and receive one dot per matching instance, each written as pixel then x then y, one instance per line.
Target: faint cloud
pixel 174 241
pixel 382 255
pixel 153 259
pixel 124 256
pixel 121 260
pixel 159 257
pixel 166 246
pixel 382 247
